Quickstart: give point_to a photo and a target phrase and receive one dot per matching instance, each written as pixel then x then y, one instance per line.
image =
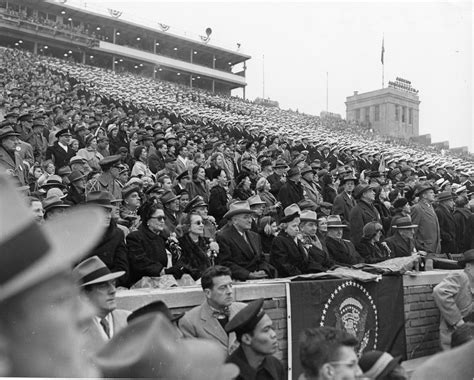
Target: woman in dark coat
pixel 370 247
pixel 243 191
pixel 195 248
pixel 288 254
pixel 219 197
pixel 198 185
pixel 146 246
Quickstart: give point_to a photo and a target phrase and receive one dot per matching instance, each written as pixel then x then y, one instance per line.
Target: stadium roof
pixel 93 17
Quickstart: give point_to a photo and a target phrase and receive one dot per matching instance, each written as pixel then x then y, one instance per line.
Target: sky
pixel 299 49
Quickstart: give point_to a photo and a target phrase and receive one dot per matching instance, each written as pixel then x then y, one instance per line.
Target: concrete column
pixel 35 48
pixel 113 63
pixel 154 45
pixel 114 36
pixel 154 72
pixel 213 86
pixel 243 92
pixel 213 64
pixel 191 77
pixel 83 57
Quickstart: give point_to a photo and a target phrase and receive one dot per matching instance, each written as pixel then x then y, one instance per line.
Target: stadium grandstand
pixel 101 38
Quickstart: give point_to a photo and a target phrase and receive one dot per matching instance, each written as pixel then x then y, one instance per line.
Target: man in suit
pixel 401 243
pixel 291 191
pixel 10 159
pixel 60 152
pixel 454 298
pixel 240 248
pixel 278 178
pixel 447 223
pixel 427 236
pixel 345 202
pixel 97 283
pixel 364 212
pixel 208 320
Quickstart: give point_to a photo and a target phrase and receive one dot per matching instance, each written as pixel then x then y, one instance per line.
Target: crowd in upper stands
pixel 191 179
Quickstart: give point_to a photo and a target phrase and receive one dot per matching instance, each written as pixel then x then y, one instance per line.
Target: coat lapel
pixel 240 242
pixel 212 326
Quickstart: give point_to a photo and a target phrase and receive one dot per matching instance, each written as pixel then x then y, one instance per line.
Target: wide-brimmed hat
pixel 77 160
pixel 7 132
pixel 237 208
pixel 308 216
pixel 348 178
pixel 290 212
pixel 403 222
pixel 128 190
pixel 294 171
pixel 32 253
pixel 150 347
pixel 255 200
pixel 100 198
pixel 94 271
pixel 306 169
pixel 280 164
pixel 377 364
pixel 362 188
pixel 52 202
pixel 53 181
pixel 422 188
pixel 334 221
pixel 154 307
pixel 76 175
pixel 445 196
pixel 168 196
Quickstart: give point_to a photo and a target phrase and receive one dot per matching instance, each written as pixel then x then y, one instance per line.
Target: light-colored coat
pixel 454 298
pixel 14 167
pixel 199 323
pixel 94 336
pixel 427 236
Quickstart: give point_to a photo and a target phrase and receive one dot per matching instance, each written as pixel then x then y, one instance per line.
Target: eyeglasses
pixel 199 223
pixel 159 218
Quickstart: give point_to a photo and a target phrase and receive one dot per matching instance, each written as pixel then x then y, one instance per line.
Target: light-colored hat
pixel 334 221
pixel 238 207
pixel 403 222
pixel 33 253
pixel 308 216
pixel 255 200
pixel 94 271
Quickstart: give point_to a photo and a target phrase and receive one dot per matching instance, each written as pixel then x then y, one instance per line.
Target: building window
pixel 410 116
pixel 367 114
pixel 377 113
pixel 397 115
pixel 358 114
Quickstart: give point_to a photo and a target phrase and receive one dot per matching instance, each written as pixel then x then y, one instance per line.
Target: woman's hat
pixel 308 216
pixel 32 253
pixel 94 271
pixel 237 208
pixel 334 221
pixel 291 212
pixel 377 364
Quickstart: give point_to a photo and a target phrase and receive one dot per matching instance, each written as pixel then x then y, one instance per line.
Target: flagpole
pixel 383 61
pixel 327 91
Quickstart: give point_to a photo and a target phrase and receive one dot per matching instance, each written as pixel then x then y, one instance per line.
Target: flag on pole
pixel 383 51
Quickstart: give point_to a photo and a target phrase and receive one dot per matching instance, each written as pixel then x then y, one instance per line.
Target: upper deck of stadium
pixel 100 38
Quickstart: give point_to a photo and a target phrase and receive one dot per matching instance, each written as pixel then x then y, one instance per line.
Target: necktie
pixel 105 324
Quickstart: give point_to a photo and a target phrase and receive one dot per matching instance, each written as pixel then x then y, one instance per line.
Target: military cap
pixel 247 318
pixel 182 175
pixel 63 132
pixel 194 203
pixel 109 161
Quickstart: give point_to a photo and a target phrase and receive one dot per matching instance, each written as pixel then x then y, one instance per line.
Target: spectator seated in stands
pixel 208 320
pixel 288 254
pixel 370 247
pixel 401 243
pixel 240 248
pixel 341 251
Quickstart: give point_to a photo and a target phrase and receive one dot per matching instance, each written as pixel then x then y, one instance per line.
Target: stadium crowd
pixel 200 187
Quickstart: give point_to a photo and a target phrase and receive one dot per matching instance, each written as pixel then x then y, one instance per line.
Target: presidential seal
pixel 351 308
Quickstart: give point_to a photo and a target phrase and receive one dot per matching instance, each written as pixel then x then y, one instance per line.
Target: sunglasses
pixel 199 223
pixel 159 218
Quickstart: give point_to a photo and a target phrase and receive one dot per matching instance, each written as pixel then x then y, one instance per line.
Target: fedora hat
pixel 255 200
pixel 150 347
pixel 306 169
pixel 334 221
pixel 52 202
pixel 362 188
pixel 169 196
pixel 348 178
pixel 53 181
pixel 94 271
pixel 154 307
pixel 76 175
pixel 445 196
pixel 422 188
pixel 308 216
pixel 128 190
pixel 280 164
pixel 100 198
pixel 7 131
pixel 237 208
pixel 294 171
pixel 32 253
pixel 290 213
pixel 403 222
